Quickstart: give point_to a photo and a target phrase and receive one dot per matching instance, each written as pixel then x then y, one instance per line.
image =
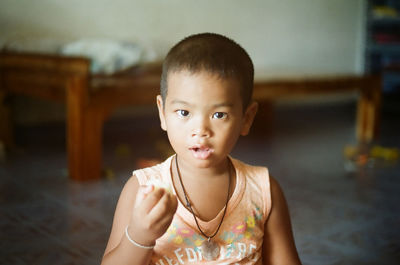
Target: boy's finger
pixel 152 199
pixel 147 189
pixel 164 207
pixel 143 191
pixel 173 201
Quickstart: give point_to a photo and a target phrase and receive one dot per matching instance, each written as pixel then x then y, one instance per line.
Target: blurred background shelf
pixel 382 49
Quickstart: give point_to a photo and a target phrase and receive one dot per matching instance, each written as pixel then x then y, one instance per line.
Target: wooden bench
pixel 368 88
pixel 90 99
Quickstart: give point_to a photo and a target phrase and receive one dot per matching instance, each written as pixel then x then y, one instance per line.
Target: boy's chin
pixel 212 161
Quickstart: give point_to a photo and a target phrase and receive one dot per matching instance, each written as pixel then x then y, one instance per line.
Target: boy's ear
pixel 160 106
pixel 248 118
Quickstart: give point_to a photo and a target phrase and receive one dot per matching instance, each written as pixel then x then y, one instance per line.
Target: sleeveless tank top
pixel 240 236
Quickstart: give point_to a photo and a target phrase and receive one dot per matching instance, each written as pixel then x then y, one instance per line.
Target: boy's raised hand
pixel 152 214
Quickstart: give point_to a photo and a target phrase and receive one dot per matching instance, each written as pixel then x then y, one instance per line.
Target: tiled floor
pixel 339 216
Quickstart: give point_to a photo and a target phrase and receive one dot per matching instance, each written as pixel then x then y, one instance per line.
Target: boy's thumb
pixel 142 193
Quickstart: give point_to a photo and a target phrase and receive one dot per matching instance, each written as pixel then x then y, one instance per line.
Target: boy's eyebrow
pixel 223 104
pixel 218 105
pixel 178 101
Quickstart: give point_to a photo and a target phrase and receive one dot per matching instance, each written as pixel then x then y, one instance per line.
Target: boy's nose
pixel 201 133
pixel 201 130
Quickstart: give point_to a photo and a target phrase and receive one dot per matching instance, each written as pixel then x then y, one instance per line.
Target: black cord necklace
pixel 209 248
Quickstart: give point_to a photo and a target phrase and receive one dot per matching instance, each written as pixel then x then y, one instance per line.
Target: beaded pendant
pixel 210 250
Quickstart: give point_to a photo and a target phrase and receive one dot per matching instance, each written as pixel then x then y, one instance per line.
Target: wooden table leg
pixel 6 126
pixel 92 145
pixel 264 118
pixel 84 133
pixel 368 110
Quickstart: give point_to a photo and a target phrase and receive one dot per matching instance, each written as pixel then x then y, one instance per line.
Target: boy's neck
pixel 206 188
pixel 199 175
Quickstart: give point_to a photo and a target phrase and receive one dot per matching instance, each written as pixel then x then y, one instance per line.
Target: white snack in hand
pixel 157 183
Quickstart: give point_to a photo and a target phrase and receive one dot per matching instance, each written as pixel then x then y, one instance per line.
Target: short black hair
pixel 213 53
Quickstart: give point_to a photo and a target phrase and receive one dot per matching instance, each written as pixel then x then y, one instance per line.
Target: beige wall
pixel 284 37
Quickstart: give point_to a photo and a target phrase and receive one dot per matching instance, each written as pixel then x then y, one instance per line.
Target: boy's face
pixel 203 117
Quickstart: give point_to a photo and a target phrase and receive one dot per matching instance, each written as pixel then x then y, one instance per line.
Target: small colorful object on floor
pixel 109 173
pixel 365 156
pixel 123 150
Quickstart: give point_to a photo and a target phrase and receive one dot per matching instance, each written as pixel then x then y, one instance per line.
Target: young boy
pixel 201 205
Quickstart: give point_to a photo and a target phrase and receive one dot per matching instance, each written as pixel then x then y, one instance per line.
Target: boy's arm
pixel 278 246
pixel 157 206
pixel 119 250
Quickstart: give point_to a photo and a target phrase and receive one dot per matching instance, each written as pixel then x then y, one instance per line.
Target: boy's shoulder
pixel 151 164
pixel 245 166
pixel 157 172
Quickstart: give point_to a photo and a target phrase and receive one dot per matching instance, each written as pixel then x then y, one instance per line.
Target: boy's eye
pixel 182 113
pixel 219 115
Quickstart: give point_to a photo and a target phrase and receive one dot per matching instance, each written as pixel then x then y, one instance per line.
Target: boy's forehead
pixel 203 88
pixel 200 76
pixel 201 79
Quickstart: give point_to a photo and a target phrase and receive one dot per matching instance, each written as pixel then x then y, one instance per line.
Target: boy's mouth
pixel 201 152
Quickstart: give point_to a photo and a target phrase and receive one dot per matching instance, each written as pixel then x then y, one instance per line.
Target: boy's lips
pixel 201 152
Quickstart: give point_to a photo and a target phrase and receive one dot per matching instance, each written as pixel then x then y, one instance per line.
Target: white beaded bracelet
pixel 136 243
